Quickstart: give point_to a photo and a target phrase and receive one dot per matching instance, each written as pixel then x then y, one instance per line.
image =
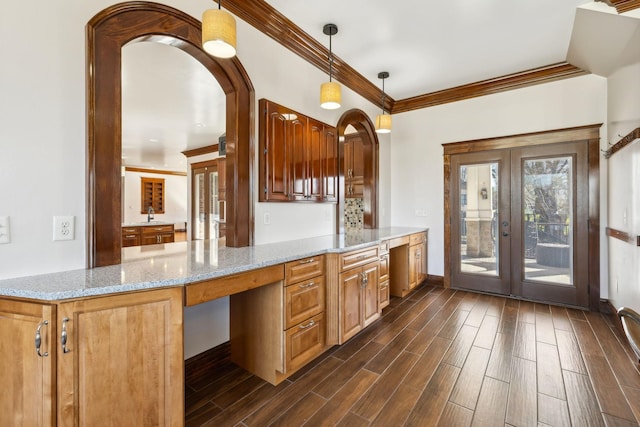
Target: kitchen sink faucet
pixel 150 214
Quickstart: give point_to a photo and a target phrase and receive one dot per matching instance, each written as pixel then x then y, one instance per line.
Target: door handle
pixel 505 234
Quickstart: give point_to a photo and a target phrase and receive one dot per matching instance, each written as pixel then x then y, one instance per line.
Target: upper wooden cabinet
pixel 354 166
pixel 299 156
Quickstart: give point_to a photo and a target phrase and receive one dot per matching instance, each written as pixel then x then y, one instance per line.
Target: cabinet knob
pixel 39 339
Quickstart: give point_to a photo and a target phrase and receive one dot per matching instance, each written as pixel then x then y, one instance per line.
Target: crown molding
pixel 272 23
pixel 625 5
pixel 545 74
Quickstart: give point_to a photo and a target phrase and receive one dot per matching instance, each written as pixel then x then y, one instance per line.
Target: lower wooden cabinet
pixel 286 327
pixel 147 235
pixel 28 396
pixel 408 264
pixel 358 299
pixel 383 295
pixel 115 360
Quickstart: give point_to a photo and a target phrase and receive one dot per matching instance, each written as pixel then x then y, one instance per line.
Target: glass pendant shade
pixel 219 33
pixel 330 95
pixel 383 123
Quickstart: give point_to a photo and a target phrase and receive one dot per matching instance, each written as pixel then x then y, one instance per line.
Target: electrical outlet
pixel 266 218
pixel 63 228
pixel 5 230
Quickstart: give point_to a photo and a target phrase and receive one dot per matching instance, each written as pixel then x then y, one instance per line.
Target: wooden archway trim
pixel 107 33
pixel 363 125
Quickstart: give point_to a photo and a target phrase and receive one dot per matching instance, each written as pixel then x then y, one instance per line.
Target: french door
pixel 519 222
pixel 205 209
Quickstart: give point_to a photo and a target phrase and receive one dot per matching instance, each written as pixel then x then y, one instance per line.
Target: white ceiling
pixel 429 45
pixel 171 103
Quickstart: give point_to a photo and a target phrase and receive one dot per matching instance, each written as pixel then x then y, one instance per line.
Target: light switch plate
pixel 63 228
pixel 5 230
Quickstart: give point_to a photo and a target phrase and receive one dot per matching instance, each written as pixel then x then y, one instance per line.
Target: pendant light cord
pixel 219 4
pixel 330 57
pixel 382 97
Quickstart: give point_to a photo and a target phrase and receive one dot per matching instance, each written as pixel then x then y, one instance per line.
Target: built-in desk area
pixel 86 342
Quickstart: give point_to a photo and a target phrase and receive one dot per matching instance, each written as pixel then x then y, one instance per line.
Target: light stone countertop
pixel 181 263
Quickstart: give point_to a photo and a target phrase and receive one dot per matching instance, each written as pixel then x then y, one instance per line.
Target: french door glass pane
pixel 547 198
pixel 200 214
pixel 214 216
pixel 479 250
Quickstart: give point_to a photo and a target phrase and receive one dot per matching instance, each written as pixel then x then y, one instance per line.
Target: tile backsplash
pixel 353 215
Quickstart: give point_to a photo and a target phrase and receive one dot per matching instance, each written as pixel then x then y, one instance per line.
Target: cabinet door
pixel 330 168
pixel 123 360
pixel 274 147
pixel 370 291
pixel 358 159
pixel 28 385
pixel 296 133
pixel 351 303
pixel 315 152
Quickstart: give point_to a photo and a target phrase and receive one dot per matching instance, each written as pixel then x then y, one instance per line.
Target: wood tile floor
pixel 442 357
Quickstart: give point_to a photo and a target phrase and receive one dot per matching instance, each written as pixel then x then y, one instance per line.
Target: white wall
pixel 176 196
pixel 624 187
pixel 416 151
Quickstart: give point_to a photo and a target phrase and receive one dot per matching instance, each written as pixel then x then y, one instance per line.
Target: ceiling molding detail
pixel 625 5
pixel 271 22
pixel 201 150
pixel 522 79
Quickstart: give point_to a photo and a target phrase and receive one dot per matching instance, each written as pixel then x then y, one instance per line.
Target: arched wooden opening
pixel 363 125
pixel 107 33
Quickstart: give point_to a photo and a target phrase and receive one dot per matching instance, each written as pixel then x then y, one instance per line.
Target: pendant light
pixel 219 32
pixel 383 121
pixel 330 92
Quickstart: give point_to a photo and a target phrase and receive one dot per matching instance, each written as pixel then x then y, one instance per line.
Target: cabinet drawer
pixel 304 342
pixel 157 229
pixel 417 238
pixel 303 269
pixel 384 267
pixel 358 258
pixel 303 300
pixel 130 230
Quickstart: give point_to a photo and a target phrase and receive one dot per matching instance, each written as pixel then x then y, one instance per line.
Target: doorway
pixel 208 200
pixel 520 219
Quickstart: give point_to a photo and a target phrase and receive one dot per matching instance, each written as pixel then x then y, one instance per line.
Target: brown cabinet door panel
pixel 304 300
pixel 123 352
pixel 304 342
pixel 351 303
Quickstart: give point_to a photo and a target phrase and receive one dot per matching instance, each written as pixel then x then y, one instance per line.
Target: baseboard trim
pixel 435 280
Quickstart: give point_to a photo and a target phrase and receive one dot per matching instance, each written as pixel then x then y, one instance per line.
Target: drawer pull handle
pixel 362 257
pixel 307 261
pixel 63 336
pixel 308 285
pixel 39 339
pixel 130 236
pixel 308 325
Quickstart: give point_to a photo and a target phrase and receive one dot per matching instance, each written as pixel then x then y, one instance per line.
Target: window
pixel 152 195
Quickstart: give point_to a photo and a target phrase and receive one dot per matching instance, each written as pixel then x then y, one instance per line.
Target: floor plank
pixel 467 389
pixel 549 371
pixel 454 415
pixel 552 411
pixel 522 408
pixel 492 403
pixel 583 406
pixel 429 406
pixel 371 403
